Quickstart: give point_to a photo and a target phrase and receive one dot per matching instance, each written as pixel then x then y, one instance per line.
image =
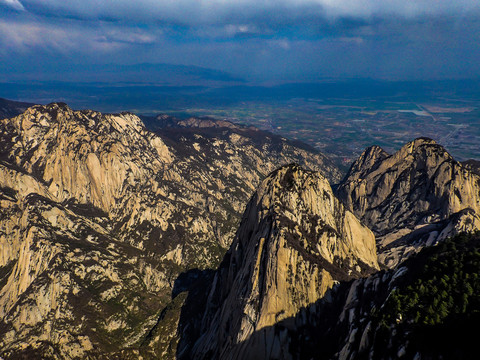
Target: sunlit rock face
pixel 415 197
pixel 98 216
pixel 419 184
pixel 295 241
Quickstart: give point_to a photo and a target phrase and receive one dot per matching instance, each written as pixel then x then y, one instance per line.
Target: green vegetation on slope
pixel 435 306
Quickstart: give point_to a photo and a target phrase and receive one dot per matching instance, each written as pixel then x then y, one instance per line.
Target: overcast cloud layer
pixel 258 40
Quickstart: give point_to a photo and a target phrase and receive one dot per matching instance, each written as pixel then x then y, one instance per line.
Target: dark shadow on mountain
pixel 361 319
pixel 10 108
pixel 312 333
pixel 418 237
pixel 472 165
pixel 316 333
pixel 188 293
pixel 189 326
pixel 188 280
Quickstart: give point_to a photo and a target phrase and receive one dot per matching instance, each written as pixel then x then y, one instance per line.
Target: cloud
pixel 15 4
pixel 130 36
pixel 220 19
pixel 69 37
pixel 25 36
pixel 213 20
pixel 257 39
pixel 202 12
pixel 280 43
pixel 405 8
pixel 355 40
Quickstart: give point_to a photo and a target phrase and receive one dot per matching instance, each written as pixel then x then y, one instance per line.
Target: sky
pixel 255 41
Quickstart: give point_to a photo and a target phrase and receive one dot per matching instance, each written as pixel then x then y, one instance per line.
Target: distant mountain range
pixel 202 239
pixel 158 74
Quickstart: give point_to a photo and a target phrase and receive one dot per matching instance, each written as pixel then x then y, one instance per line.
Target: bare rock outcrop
pixel 419 184
pixel 99 216
pixel 413 198
pixel 295 241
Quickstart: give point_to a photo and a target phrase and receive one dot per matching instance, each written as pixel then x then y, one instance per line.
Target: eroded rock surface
pixel 295 241
pixel 99 216
pixel 413 198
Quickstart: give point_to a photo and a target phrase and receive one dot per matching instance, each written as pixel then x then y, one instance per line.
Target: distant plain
pixel 338 118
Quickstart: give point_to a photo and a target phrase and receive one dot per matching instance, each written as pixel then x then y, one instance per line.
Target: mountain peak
pixel 422 146
pixel 423 140
pixel 295 240
pixel 420 178
pixel 101 215
pixel 59 105
pixel 53 109
pixel 85 154
pixel 374 155
pixel 421 184
pixel 367 160
pixel 288 178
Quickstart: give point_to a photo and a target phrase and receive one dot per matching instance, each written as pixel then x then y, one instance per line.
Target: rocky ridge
pixel 427 195
pixel 295 241
pixel 93 270
pixel 391 314
pixel 100 216
pixel 415 197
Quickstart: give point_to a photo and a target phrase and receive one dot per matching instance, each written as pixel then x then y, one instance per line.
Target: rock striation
pixel 283 289
pixel 408 312
pixel 99 216
pixel 295 241
pixel 413 198
pixel 109 232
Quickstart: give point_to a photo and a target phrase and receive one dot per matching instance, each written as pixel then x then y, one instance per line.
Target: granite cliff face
pixel 415 197
pixel 283 290
pixel 109 233
pixel 424 309
pixel 295 241
pixel 99 216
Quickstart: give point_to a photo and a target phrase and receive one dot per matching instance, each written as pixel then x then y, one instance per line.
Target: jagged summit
pixel 84 155
pixel 59 111
pixel 295 240
pixel 167 121
pixel 294 234
pixel 367 161
pixel 419 185
pixel 373 155
pixel 100 216
pixel 425 139
pixel 421 181
pixel 302 202
pixel 422 147
pixel 56 104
